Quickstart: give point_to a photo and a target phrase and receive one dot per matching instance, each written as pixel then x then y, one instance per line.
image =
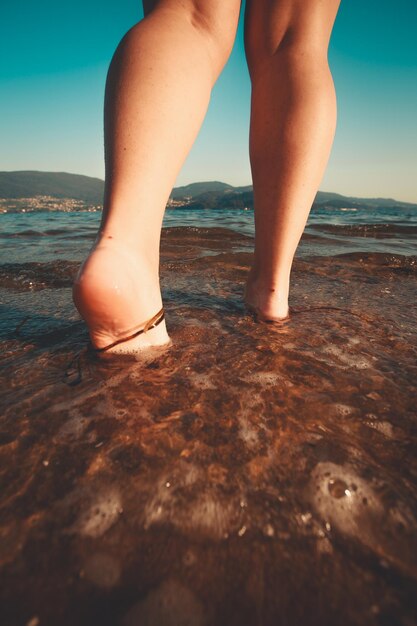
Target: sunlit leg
pixel 293 122
pixel 157 93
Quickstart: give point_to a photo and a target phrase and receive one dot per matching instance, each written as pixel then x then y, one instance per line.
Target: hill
pixel 209 194
pixel 23 184
pixel 195 189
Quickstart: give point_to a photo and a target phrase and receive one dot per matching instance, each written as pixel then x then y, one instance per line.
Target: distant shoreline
pixel 32 191
pixel 39 204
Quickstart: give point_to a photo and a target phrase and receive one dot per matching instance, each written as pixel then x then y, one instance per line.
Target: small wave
pixel 398 261
pixel 41 233
pixel 377 231
pixel 23 276
pixel 201 232
pixel 370 262
pixel 237 260
pixel 22 233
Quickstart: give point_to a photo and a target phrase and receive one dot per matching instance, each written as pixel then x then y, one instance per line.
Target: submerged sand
pixel 249 474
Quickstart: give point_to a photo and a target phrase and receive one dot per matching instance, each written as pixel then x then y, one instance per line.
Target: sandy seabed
pixel 249 474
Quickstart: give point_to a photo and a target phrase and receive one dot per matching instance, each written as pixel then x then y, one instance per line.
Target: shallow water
pixel 249 474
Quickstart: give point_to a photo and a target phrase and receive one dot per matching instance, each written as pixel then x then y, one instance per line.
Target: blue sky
pixel 54 64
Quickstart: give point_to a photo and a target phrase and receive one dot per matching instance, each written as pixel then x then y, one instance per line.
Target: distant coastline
pixel 31 191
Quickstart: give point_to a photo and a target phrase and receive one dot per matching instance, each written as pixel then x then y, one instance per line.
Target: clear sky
pixel 54 59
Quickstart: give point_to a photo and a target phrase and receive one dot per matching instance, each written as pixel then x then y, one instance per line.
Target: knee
pixel 297 34
pixel 292 44
pixel 215 21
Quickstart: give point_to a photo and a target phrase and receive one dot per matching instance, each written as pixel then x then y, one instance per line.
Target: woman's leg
pixel 293 121
pixel 157 93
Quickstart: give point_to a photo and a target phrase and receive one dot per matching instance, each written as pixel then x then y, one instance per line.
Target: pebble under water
pixel 249 474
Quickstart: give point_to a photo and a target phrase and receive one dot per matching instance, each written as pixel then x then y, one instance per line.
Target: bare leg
pixel 293 121
pixel 157 93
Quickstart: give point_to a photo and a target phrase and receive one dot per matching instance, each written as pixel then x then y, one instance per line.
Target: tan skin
pixel 180 48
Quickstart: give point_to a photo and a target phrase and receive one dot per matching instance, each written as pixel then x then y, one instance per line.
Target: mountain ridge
pixel 205 194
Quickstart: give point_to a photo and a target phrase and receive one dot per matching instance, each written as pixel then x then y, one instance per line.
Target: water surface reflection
pixel 249 474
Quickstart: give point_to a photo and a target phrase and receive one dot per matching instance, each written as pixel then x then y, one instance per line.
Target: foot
pixel 116 293
pixel 269 302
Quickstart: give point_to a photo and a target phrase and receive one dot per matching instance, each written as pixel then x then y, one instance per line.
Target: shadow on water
pixel 247 474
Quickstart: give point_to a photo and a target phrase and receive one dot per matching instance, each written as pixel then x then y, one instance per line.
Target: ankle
pixel 274 286
pixel 269 297
pixel 131 253
pixel 142 245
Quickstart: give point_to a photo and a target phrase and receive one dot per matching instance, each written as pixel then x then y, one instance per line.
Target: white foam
pixel 170 604
pixel 202 509
pixel 100 515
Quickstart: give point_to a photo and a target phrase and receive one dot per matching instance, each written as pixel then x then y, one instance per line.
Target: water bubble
pixel 384 427
pixel 269 530
pixel 345 500
pixel 241 531
pixel 338 488
pixel 306 518
pixel 343 409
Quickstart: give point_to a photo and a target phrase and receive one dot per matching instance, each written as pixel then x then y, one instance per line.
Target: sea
pixel 248 474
